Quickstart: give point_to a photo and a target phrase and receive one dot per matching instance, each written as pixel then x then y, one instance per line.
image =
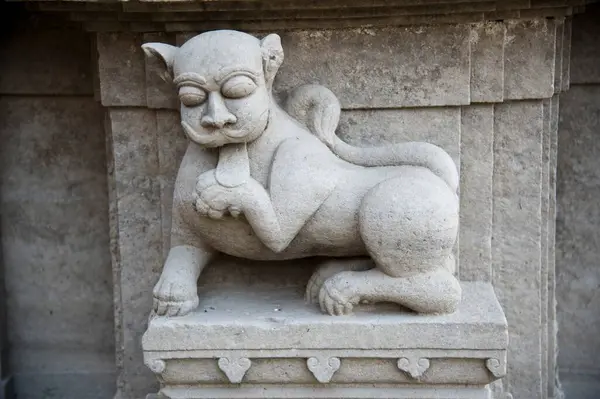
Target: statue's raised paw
pixel 218 201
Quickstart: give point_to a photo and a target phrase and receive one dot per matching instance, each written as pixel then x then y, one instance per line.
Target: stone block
pixel 137 244
pixel 440 126
pixel 516 238
pixel 55 240
pixel 45 61
pixel 577 233
pixel 529 54
pixel 585 52
pixel 476 170
pixel 121 69
pixel 487 62
pixel 366 71
pixel 246 335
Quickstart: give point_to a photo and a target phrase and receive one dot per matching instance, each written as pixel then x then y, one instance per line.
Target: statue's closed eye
pixel 191 96
pixel 238 86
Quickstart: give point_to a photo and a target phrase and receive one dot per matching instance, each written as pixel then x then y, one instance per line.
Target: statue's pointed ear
pixel 272 54
pixel 163 51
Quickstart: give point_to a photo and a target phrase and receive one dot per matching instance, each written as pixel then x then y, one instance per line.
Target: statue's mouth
pixel 208 140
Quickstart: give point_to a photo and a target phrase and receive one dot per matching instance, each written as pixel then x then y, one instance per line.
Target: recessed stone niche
pixel 482 85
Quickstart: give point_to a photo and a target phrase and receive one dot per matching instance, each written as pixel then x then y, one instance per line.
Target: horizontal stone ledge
pixel 249 5
pixel 258 25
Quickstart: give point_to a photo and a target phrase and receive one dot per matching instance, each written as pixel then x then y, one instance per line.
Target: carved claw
pixel 336 297
pixel 171 298
pixel 328 270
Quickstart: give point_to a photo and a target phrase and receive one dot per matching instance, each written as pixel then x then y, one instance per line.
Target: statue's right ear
pixel 165 52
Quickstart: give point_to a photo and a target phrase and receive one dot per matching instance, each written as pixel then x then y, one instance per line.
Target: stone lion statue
pixel 284 186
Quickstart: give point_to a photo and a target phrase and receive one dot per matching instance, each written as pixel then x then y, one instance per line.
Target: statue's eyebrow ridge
pixel 225 72
pixel 190 77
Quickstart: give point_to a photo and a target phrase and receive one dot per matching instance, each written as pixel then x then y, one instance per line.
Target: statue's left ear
pixel 272 54
pixel 163 51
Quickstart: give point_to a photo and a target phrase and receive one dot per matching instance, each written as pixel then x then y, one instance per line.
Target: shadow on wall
pixel 54 207
pixel 578 215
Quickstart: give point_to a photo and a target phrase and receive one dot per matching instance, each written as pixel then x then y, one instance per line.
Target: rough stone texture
pixel 578 239
pixel 136 237
pixel 376 79
pixel 516 253
pixel 487 62
pixel 578 274
pixel 241 333
pixel 439 126
pixel 121 69
pixel 529 59
pixel 41 57
pixel 476 169
pixel 55 247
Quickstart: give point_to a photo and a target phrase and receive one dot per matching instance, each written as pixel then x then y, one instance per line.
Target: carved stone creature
pixel 284 186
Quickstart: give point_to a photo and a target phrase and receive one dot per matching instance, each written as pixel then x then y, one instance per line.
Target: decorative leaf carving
pixel 323 368
pixel 414 366
pixel 234 368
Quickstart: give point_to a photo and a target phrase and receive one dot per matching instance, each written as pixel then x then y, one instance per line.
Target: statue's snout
pixel 217 115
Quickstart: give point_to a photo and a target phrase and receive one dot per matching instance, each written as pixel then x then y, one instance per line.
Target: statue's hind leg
pixel 409 225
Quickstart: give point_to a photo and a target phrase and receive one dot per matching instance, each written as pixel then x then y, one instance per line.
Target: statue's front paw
pixel 217 202
pixel 174 298
pixel 337 297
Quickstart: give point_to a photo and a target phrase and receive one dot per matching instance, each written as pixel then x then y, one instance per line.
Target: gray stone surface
pixel 578 238
pixel 267 317
pixel 476 170
pixel 529 59
pixel 136 237
pixel 55 242
pixel 121 69
pixel 377 78
pixel 516 251
pixel 242 333
pixel 487 62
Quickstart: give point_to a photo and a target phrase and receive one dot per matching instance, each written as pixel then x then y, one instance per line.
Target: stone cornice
pixel 178 16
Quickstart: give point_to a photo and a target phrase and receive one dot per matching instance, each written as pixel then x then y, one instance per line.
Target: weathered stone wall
pixel 578 218
pixel 53 202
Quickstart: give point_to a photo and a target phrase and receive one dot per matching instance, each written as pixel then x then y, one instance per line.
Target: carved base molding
pixel 332 392
pixel 273 345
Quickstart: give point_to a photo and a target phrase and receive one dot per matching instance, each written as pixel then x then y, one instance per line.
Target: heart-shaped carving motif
pixel 234 368
pixel 414 366
pixel 323 368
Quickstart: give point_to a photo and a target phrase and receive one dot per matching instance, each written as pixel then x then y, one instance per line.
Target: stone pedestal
pixel 263 341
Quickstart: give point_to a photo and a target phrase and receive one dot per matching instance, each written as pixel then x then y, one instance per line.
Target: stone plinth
pixel 265 342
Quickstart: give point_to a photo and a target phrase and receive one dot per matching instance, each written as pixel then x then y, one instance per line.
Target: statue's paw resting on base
pixel 434 292
pixel 329 269
pixel 174 297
